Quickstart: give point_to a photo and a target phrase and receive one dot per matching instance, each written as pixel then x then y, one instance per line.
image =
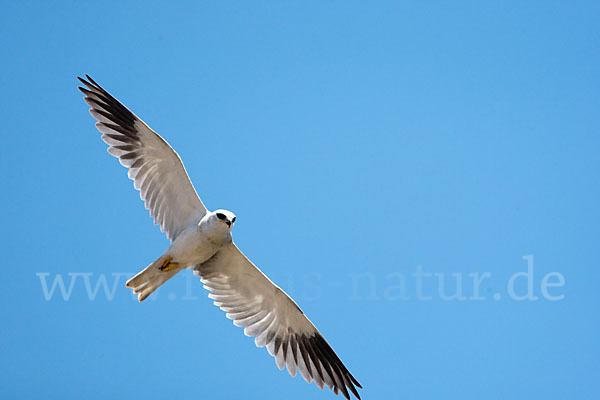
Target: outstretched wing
pixel 154 167
pixel 252 301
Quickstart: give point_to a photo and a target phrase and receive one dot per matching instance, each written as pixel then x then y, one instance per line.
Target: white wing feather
pixel 155 168
pixel 266 312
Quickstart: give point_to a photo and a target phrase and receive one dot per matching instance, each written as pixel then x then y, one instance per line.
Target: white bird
pixel 201 241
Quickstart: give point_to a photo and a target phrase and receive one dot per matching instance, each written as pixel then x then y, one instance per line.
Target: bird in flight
pixel 201 241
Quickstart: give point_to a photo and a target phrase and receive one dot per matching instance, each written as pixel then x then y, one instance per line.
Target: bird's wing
pixel 154 167
pixel 252 301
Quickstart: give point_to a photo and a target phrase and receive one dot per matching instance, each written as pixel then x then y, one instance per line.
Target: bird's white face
pixel 218 225
pixel 223 218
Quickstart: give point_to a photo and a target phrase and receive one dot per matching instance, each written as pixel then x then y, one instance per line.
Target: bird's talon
pixel 167 265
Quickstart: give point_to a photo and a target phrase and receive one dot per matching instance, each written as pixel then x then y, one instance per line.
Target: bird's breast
pixel 194 246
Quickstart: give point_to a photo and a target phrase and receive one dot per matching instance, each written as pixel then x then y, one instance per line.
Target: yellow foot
pixel 167 265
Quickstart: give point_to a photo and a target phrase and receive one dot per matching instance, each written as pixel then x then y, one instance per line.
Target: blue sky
pixel 375 154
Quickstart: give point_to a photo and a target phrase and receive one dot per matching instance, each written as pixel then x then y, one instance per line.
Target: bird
pixel 201 240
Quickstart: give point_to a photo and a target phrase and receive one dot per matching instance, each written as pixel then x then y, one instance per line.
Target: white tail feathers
pixel 152 277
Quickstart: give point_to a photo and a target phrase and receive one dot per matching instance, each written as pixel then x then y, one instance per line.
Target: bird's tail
pixel 154 275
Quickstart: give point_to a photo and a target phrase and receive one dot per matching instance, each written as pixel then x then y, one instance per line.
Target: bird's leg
pixel 167 265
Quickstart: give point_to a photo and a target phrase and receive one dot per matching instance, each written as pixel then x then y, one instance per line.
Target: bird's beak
pixel 228 223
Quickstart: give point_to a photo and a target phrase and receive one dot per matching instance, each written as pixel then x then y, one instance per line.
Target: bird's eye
pixel 221 216
pixel 233 220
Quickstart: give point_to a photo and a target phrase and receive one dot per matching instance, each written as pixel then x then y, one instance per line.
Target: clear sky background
pixel 362 145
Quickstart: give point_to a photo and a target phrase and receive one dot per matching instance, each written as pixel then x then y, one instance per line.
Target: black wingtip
pixel 93 82
pixel 83 81
pixel 354 380
pixel 337 366
pixel 90 83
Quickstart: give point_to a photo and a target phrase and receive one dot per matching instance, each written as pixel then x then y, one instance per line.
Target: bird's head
pixel 223 218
